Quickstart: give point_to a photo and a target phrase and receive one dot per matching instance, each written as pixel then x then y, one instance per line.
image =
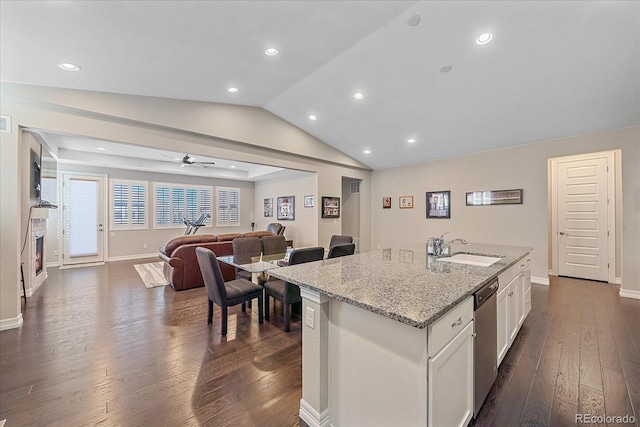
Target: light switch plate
pixel 310 318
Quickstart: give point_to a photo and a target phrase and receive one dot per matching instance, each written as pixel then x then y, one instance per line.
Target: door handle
pixel 562 233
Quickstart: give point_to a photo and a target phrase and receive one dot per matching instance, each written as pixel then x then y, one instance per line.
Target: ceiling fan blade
pixel 205 163
pixel 171 157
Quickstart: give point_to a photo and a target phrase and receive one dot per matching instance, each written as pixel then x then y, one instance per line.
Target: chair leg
pixel 286 308
pixel 210 314
pixel 244 307
pixel 260 310
pixel 224 322
pixel 266 306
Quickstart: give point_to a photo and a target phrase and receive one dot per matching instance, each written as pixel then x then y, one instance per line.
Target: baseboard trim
pixel 310 416
pixel 540 280
pixel 618 281
pixel 132 257
pixel 13 323
pixel 628 293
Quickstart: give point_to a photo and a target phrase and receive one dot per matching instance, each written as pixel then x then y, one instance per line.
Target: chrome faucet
pixel 447 246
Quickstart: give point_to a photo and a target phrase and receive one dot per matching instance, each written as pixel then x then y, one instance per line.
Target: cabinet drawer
pixel 448 326
pixel 524 263
pixel 507 276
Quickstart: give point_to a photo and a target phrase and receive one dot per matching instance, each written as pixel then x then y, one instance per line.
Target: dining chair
pixel 337 239
pixel 274 245
pixel 288 293
pixel 276 228
pixel 342 250
pixel 245 248
pixel 226 294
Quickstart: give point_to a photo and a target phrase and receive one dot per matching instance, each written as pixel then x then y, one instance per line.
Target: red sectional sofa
pixel 181 267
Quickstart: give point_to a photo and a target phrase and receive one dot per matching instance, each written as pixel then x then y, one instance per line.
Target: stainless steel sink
pixel 479 260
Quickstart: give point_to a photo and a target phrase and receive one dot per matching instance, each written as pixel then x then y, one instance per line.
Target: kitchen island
pixel 388 335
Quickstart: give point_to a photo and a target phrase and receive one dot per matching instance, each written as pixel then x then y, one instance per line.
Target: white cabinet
pixel 450 368
pixel 513 303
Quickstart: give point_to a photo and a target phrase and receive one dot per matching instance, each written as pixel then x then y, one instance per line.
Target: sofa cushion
pixel 261 233
pixel 176 242
pixel 229 236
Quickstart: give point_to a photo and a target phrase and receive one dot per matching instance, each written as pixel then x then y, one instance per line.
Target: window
pixel 228 207
pixel 175 202
pixel 128 205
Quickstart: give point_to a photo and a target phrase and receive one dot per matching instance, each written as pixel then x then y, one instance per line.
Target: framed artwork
pixel 268 207
pixel 308 201
pixel 405 256
pixel 438 204
pixel 286 208
pixel 330 207
pixel 406 202
pixel 386 203
pixel 496 197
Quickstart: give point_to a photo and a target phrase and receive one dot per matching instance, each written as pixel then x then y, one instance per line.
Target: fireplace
pixel 39 255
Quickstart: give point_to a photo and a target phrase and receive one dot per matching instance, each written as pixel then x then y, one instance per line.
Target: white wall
pixel 303 230
pixel 517 167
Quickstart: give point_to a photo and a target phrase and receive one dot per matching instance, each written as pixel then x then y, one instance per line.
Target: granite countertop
pixel 402 283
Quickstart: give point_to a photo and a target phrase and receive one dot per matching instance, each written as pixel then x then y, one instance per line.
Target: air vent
pixel 5 124
pixel 355 187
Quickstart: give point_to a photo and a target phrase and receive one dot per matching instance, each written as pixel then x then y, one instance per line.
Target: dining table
pixel 258 265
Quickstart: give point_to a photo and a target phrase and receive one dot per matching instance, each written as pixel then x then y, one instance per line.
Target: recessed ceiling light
pixel 367 151
pixel 414 20
pixel 312 117
pixel 101 149
pixel 358 96
pixel 445 69
pixel 272 51
pixel 232 166
pixel 484 38
pixel 411 141
pixel 67 66
pixel 233 90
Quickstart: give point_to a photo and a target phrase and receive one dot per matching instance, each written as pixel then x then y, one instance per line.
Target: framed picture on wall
pixel 286 208
pixel 308 201
pixel 405 202
pixel 268 207
pixel 386 203
pixel 439 204
pixel 330 207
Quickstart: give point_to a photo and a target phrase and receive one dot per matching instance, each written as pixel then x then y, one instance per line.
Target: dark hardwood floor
pixel 98 348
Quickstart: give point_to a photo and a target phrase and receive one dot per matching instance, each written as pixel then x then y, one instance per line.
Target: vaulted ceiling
pixel 552 69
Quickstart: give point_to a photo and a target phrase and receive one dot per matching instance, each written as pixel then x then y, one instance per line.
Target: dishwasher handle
pixel 486 292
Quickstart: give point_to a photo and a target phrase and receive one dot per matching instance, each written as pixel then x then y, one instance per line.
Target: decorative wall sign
pixel 386 203
pixel 330 207
pixel 286 208
pixel 308 201
pixel 438 204
pixel 405 256
pixel 406 202
pixel 494 197
pixel 268 207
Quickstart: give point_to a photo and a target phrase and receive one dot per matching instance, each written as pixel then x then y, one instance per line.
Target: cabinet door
pixel 450 379
pixel 516 306
pixel 503 323
pixel 525 285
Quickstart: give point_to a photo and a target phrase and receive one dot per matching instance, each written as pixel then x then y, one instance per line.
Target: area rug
pixel 151 274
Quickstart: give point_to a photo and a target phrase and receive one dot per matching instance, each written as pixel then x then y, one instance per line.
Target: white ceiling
pixel 553 69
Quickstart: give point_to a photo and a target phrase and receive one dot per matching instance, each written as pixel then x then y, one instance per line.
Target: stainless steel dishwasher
pixel 485 352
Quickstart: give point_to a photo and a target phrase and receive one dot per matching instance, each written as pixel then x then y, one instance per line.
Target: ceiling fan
pixel 187 160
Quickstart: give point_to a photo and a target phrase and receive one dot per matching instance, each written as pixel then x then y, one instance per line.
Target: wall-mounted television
pixel 44 173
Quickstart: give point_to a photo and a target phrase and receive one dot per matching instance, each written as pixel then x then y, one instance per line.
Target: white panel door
pixel 83 219
pixel 582 218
